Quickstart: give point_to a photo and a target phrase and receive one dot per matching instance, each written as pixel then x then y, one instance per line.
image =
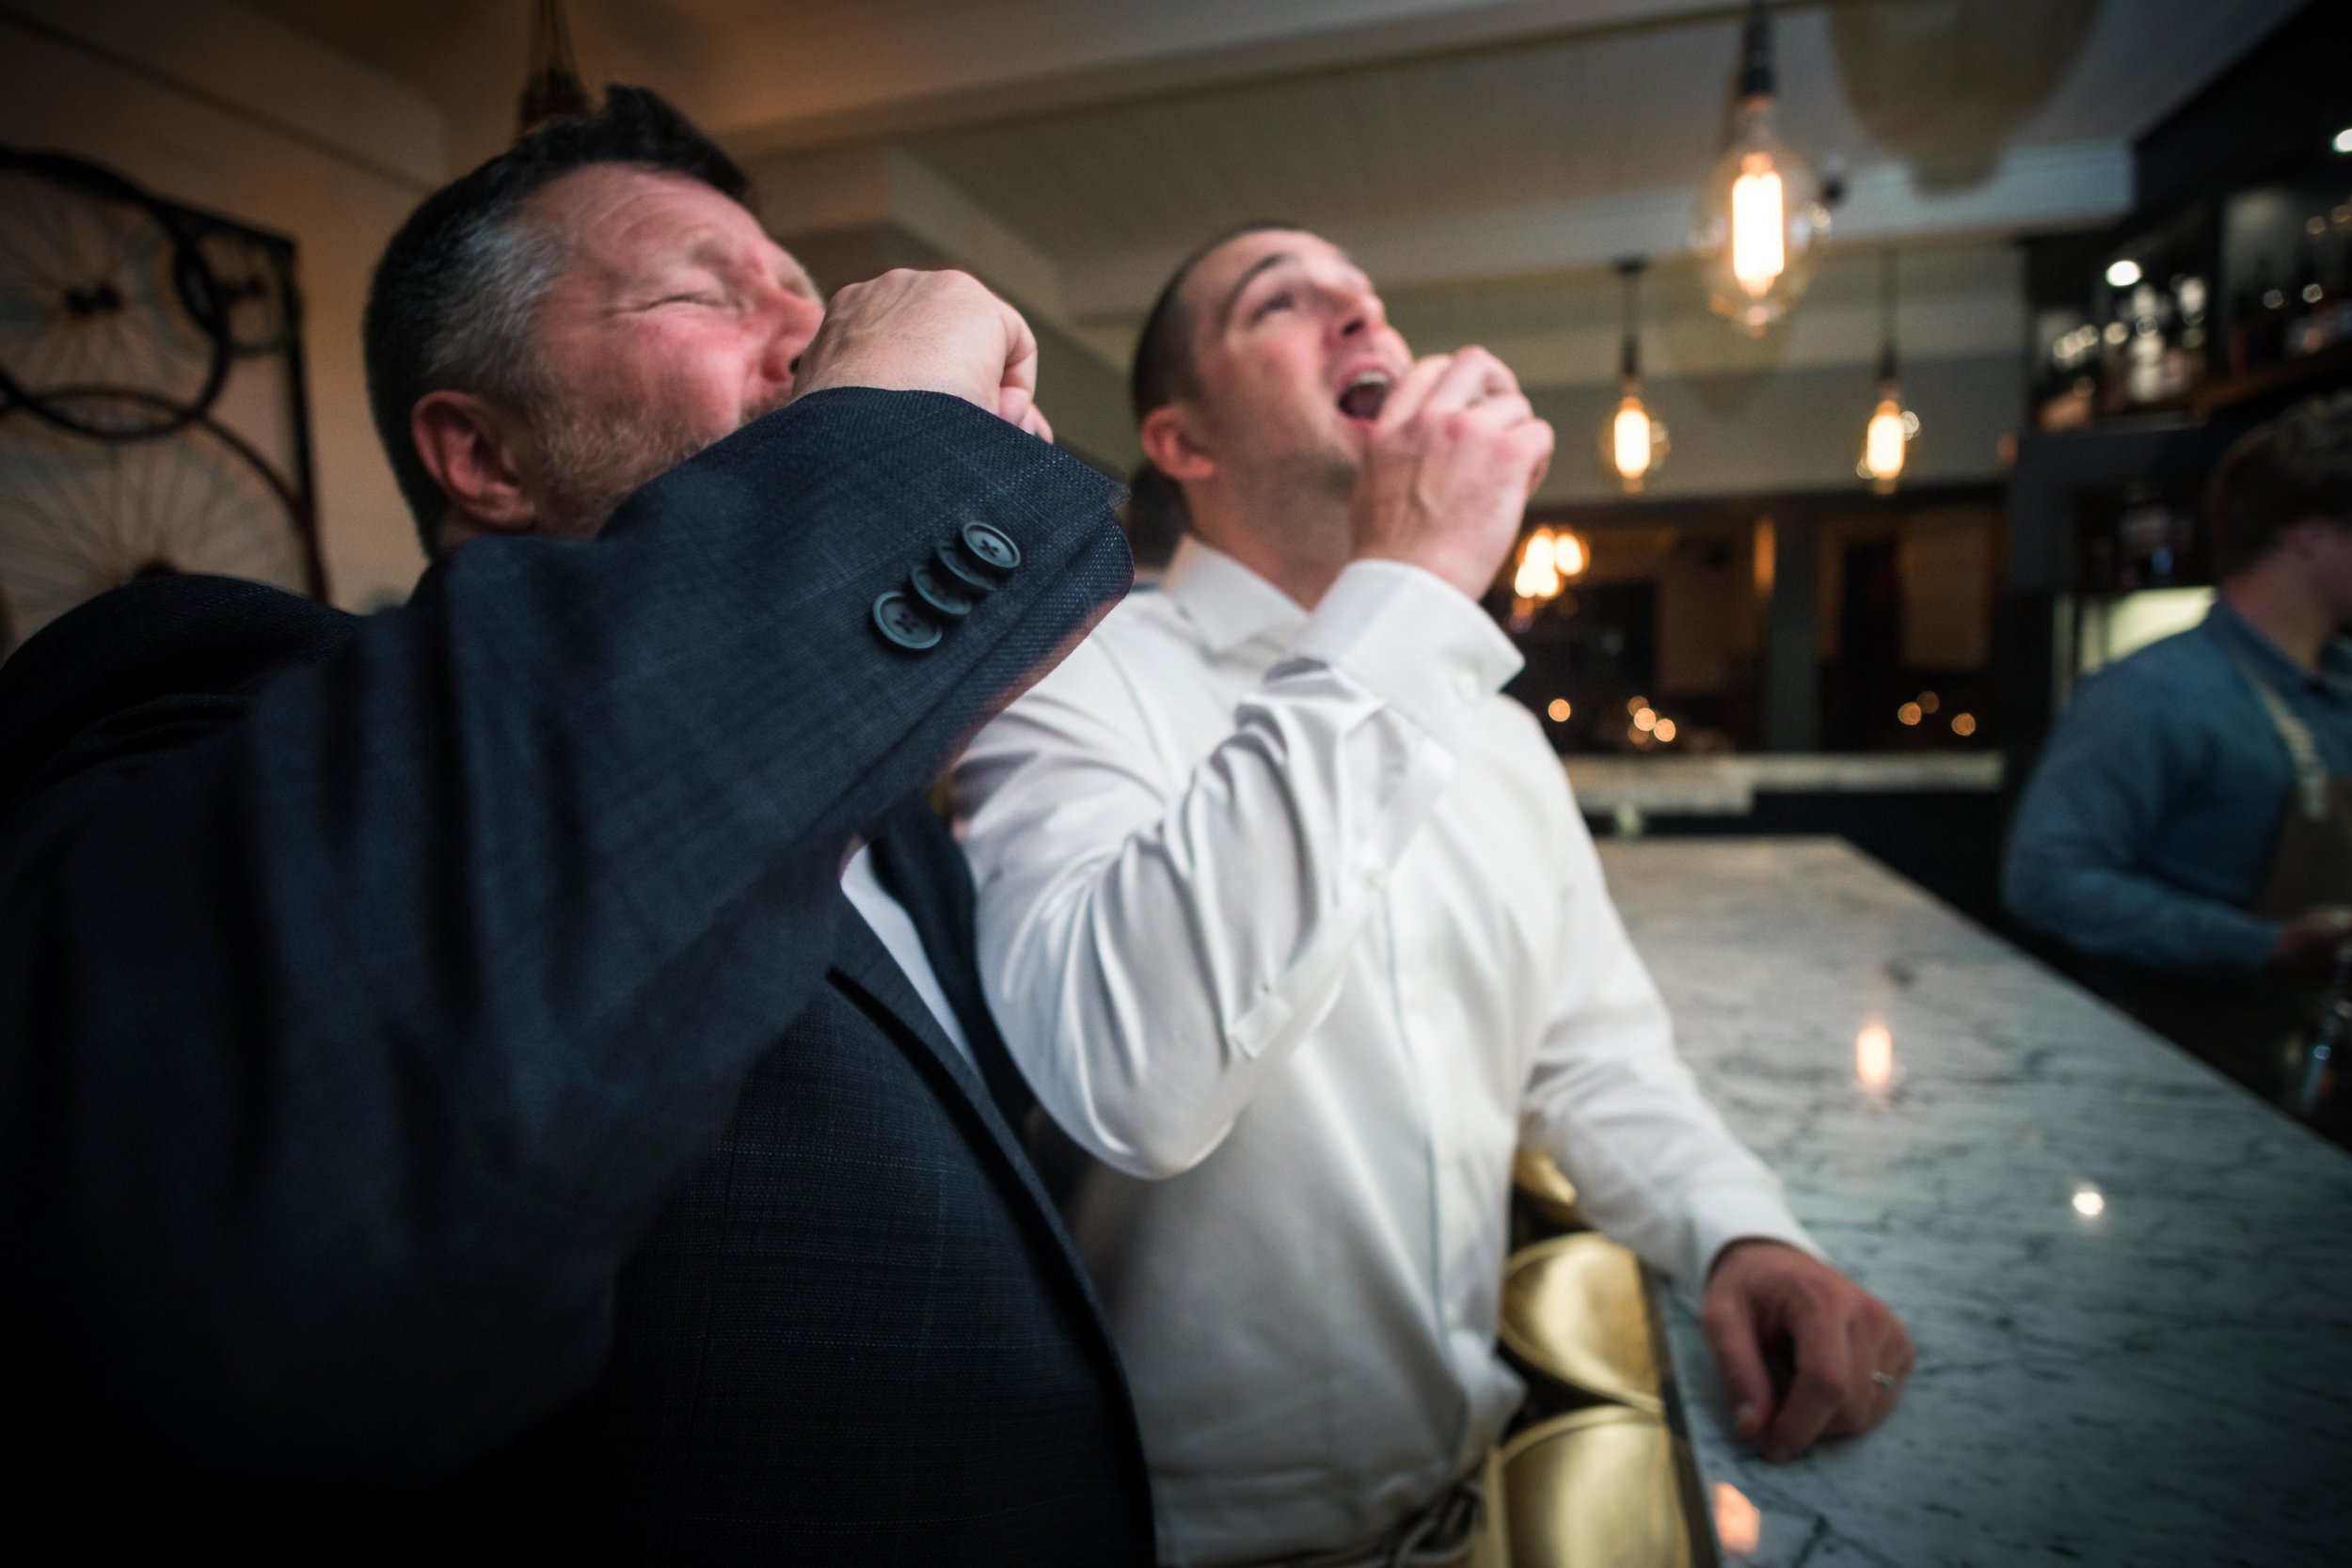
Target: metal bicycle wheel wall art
pixel 152 412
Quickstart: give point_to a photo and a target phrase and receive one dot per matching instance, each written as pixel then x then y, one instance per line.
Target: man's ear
pixel 470 452
pixel 1168 440
pixel 2307 535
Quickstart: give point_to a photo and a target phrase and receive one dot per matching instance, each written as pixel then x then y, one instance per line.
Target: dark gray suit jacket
pixel 445 1100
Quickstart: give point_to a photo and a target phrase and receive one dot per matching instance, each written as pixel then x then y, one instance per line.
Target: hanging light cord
pixel 1630 365
pixel 1757 79
pixel 1886 315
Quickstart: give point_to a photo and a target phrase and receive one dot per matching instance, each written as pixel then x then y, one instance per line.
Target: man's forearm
pixel 1157 949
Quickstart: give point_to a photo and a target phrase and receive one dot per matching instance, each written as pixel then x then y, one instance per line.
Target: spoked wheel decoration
pixel 249 280
pixel 100 288
pixel 79 517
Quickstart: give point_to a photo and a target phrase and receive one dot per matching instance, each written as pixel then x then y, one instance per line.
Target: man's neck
pixel 2277 603
pixel 1299 546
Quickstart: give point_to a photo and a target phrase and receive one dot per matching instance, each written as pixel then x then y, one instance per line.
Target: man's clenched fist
pixel 927 332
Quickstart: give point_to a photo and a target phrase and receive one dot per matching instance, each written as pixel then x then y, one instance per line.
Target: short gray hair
pixel 459 288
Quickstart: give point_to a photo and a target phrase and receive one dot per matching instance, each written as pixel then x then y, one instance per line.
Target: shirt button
pixel 1376 878
pixel 1466 686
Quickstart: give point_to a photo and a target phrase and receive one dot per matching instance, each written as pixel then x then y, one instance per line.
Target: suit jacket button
pixel 903 623
pixel 942 593
pixel 966 577
pixel 990 546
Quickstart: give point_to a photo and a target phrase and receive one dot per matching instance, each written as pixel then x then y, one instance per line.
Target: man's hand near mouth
pixel 1453 456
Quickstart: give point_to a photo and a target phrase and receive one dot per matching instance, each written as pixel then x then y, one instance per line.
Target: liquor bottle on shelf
pixel 2184 350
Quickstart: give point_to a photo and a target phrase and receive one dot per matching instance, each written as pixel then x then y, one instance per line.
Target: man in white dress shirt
pixel 1295 927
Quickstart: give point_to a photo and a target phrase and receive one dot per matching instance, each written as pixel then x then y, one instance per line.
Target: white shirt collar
pixel 1227 603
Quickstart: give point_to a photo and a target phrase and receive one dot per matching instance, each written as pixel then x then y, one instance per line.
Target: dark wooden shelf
pixel 2312 372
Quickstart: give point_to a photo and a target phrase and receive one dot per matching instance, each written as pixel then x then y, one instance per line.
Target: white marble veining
pixel 1727 785
pixel 2165 1379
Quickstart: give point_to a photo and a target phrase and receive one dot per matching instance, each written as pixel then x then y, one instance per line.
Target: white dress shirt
pixel 895 929
pixel 1291 923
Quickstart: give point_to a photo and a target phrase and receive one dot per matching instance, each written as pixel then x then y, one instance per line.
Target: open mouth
pixel 1365 393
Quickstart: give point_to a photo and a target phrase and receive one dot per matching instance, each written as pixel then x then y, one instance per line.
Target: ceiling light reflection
pixel 1739 1523
pixel 1874 1057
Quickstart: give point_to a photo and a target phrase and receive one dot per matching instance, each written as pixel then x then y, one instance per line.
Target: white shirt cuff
pixel 1722 1215
pixel 1412 640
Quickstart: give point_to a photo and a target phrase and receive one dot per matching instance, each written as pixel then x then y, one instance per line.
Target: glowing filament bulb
pixel 1567 553
pixel 1630 438
pixel 1882 444
pixel 1758 209
pixel 1539 577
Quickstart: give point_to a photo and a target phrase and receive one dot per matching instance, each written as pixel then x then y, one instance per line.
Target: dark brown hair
pixel 454 296
pixel 1164 371
pixel 2298 466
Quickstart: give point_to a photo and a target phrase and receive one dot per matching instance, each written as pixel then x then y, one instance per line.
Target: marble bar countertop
pixel 2130 1283
pixel 1727 785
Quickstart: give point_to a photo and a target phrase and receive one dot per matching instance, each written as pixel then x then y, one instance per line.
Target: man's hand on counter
pixel 1768 1302
pixel 2309 944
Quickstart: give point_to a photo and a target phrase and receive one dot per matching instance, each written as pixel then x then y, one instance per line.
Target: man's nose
pixel 1359 312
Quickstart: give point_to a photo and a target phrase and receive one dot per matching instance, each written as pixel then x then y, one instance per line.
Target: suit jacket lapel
pixel 859 958
pixel 917 860
pixel 864 966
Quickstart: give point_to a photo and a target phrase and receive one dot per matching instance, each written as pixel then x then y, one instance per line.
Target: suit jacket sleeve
pixel 353 1032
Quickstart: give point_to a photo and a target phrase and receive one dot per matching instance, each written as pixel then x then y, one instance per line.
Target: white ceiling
pixel 1483 158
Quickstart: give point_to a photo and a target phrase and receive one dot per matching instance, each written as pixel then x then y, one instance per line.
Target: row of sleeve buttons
pixel 946 587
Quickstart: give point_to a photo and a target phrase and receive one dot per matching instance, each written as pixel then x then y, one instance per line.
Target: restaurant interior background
pixel 2073 245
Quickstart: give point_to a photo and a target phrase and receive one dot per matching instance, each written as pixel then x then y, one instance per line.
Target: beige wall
pixel 214 105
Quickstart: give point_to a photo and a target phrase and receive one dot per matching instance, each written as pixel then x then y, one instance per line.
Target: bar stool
pixel 1575 1321
pixel 1546 1191
pixel 1595 1489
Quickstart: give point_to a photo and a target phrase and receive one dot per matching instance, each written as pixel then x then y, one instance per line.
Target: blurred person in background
pixel 2189 828
pixel 1296 931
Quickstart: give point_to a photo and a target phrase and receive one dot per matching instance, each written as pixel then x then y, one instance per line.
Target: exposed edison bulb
pixel 1630 440
pixel 1886 442
pixel 1632 443
pixel 1539 575
pixel 1759 210
pixel 1760 222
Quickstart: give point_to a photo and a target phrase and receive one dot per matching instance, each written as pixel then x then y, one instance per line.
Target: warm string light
pixel 1547 560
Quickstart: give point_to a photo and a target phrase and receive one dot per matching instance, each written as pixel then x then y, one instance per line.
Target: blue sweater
pixel 2150 824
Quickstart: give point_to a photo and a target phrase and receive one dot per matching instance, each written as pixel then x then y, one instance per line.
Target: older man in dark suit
pixel 445 1095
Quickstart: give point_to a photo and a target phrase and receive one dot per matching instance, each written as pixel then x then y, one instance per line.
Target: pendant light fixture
pixel 1760 216
pixel 1886 440
pixel 553 90
pixel 1632 443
